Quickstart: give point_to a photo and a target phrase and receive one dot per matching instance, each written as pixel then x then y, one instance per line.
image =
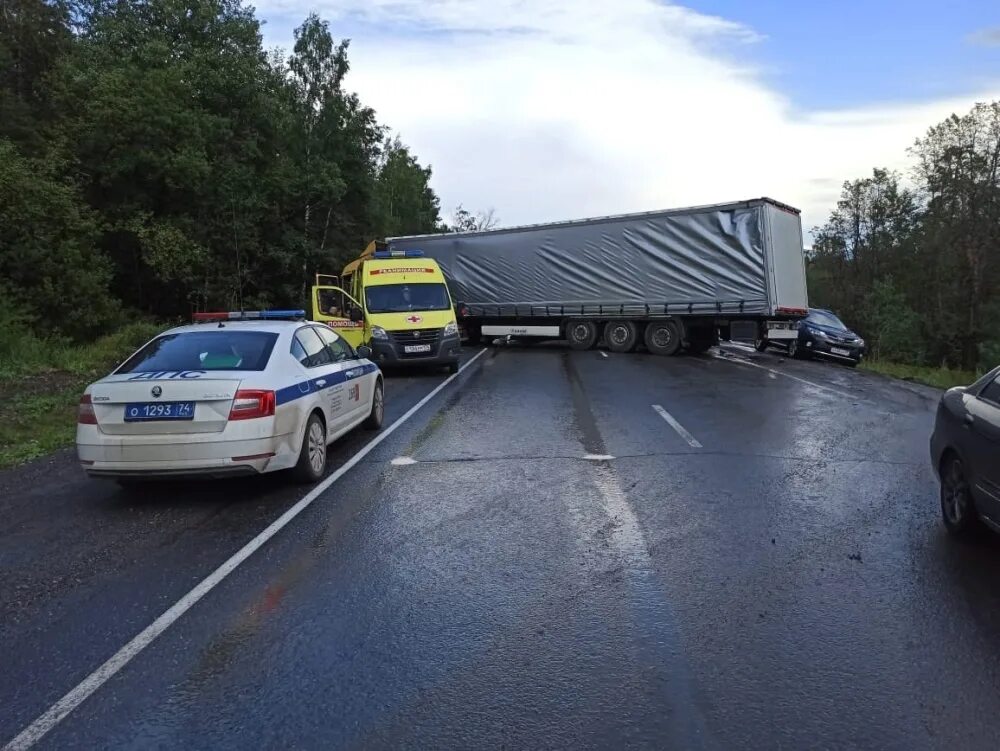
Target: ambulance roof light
pixel 398 254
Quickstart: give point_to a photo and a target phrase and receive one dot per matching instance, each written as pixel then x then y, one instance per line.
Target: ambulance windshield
pixel 400 298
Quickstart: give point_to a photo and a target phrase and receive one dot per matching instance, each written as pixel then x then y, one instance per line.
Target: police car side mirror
pixel 364 351
pixel 357 315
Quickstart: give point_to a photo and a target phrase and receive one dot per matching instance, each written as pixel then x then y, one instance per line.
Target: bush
pixel 22 351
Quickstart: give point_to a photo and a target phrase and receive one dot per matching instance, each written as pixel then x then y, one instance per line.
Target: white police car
pixel 237 393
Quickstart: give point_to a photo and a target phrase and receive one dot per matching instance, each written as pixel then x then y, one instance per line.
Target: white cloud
pixel 552 110
pixel 988 37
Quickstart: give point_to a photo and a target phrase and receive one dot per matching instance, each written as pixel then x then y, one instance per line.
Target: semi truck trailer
pixel 666 280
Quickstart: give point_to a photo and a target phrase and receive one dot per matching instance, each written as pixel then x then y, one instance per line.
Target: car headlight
pixel 860 342
pixel 451 329
pixel 379 333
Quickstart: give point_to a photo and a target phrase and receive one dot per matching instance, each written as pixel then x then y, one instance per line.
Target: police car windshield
pixel 400 298
pixel 203 350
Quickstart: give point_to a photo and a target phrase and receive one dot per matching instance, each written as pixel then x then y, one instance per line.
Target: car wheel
pixel 581 334
pixel 374 421
pixel 663 338
pixel 621 336
pixel 957 509
pixel 312 455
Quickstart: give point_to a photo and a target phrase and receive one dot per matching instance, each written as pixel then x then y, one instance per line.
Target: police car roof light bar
pixel 398 254
pixel 250 315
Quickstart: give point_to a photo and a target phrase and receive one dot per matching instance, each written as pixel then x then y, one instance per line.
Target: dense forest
pixel 913 262
pixel 155 158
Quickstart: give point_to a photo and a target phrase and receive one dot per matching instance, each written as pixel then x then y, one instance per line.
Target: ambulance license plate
pixel 150 411
pixel 411 348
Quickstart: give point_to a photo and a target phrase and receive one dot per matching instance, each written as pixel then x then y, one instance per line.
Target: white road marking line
pixel 773 375
pixel 598 457
pixel 838 392
pixel 54 714
pixel 603 354
pixel 402 461
pixel 681 431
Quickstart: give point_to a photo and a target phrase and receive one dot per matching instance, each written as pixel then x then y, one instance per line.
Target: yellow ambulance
pixel 395 302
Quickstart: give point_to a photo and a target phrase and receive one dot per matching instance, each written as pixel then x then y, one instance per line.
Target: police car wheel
pixel 312 455
pixel 374 421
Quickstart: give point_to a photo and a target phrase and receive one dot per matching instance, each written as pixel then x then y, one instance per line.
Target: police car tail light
pixel 85 415
pixel 248 404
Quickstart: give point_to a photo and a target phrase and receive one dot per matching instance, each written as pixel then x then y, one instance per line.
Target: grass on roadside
pixel 942 378
pixel 41 381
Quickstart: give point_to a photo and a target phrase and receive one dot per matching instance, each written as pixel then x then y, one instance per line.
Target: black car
pixel 965 453
pixel 822 333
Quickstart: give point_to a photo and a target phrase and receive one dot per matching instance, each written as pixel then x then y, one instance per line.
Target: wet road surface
pixel 561 549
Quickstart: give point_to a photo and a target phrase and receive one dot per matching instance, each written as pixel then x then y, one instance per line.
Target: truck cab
pixel 396 302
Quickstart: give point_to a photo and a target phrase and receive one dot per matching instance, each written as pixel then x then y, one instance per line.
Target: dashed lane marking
pixel 681 430
pixel 58 711
pixel 402 461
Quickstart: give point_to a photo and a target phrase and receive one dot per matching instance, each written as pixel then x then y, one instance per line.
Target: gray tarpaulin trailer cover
pixel 726 258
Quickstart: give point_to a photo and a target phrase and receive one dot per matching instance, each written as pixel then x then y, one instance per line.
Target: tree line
pixel 914 264
pixel 155 158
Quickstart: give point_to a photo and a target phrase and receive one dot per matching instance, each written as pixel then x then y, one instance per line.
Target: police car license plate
pixel 409 348
pixel 149 411
pixel 841 352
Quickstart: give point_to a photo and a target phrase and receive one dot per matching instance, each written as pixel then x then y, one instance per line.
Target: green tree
pixel 870 235
pixel 34 34
pixel 407 204
pixel 163 108
pixel 49 265
pixel 959 163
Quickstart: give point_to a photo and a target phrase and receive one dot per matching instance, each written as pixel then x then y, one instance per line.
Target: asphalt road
pixel 537 558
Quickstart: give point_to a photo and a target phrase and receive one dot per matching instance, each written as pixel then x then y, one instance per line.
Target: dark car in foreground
pixel 822 333
pixel 965 452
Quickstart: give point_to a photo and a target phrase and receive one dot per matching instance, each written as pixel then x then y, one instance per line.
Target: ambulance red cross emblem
pixel 414 319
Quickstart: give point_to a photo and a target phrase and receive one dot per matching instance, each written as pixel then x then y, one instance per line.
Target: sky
pixel 548 110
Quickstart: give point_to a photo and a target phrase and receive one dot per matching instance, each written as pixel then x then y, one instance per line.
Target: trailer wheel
pixel 663 338
pixel 621 336
pixel 581 335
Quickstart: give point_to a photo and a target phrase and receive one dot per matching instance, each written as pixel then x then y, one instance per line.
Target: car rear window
pixel 203 350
